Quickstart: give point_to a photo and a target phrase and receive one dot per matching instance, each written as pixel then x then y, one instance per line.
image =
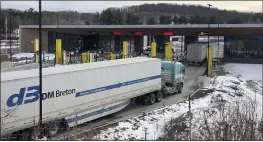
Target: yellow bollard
pixel 84 57
pixel 58 52
pixel 113 56
pixel 209 60
pixel 153 50
pixel 90 57
pixel 36 49
pixel 125 49
pixel 168 51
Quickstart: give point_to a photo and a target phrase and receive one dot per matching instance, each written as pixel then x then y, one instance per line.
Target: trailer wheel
pixel 146 100
pixel 53 128
pixel 159 96
pixel 152 98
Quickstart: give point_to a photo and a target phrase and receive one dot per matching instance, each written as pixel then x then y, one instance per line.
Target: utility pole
pixel 0 93
pixel 10 34
pixel 6 31
pixel 40 67
pixel 218 35
pixel 208 40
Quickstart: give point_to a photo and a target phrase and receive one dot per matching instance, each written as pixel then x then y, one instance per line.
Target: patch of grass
pixel 175 127
pixel 252 85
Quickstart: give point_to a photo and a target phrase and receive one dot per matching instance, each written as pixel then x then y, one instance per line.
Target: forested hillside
pixel 140 14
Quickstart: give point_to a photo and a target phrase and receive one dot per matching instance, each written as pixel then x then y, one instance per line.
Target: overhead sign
pixel 116 33
pixel 204 33
pixel 167 33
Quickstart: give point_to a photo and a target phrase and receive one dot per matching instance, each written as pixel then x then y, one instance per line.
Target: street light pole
pixel 40 68
pixel 10 35
pixel 0 71
pixel 208 40
pixel 218 35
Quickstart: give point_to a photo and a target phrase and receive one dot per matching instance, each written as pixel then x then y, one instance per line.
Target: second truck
pixel 75 94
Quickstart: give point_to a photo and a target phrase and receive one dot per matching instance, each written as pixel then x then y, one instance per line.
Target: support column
pixel 145 41
pixel 36 49
pixel 153 50
pixel 125 49
pixel 58 51
pixel 168 51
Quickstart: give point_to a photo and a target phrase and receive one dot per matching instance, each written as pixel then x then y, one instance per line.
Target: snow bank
pixel 229 90
pixel 26 58
pixel 23 55
pixel 46 56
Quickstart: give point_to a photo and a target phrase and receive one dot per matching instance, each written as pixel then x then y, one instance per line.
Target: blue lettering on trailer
pixel 30 94
pixel 96 90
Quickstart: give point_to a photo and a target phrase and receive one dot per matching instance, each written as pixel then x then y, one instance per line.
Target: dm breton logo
pixel 30 94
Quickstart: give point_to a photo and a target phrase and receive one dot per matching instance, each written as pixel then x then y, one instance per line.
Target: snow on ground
pixel 48 56
pixel 228 91
pixel 247 71
pixel 25 58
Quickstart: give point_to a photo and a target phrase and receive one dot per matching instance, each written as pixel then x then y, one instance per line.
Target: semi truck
pixel 75 94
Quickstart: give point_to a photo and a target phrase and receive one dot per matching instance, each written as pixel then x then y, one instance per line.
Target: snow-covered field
pixel 247 71
pixel 229 93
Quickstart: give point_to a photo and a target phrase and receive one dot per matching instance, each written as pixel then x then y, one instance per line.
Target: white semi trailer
pixel 75 94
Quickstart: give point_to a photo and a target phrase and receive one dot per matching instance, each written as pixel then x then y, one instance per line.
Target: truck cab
pixel 172 77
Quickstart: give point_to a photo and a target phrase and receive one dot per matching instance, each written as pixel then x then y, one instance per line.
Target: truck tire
pixel 159 96
pixel 146 100
pixel 53 128
pixel 152 98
